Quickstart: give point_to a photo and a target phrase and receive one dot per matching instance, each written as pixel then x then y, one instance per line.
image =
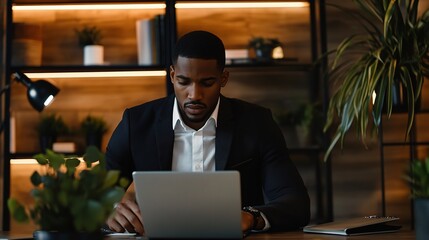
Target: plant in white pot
pixel 49 128
pixel 302 124
pixel 90 40
pixel 71 202
pixel 369 68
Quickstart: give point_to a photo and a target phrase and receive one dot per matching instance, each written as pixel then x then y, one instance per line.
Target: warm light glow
pixel 97 74
pixel 117 6
pixel 183 5
pixel 29 161
pixel 23 161
pixel 242 5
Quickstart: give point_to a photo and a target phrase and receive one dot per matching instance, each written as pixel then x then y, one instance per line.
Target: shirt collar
pixel 178 119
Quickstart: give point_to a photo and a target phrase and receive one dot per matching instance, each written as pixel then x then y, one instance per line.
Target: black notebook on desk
pixel 356 226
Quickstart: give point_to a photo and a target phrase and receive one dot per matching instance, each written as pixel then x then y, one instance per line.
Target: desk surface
pixel 298 235
pixel 401 235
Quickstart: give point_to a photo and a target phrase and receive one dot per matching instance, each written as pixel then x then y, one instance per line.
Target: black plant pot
pixel 264 53
pixel 57 235
pixel 421 217
pixel 46 142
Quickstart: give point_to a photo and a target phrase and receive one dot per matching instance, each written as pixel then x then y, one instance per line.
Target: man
pixel 198 129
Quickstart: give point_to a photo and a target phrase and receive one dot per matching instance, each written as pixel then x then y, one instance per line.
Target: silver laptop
pixel 189 205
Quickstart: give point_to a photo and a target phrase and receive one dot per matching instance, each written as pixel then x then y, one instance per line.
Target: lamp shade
pixel 39 93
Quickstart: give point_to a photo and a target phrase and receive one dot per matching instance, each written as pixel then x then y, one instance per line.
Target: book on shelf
pixel 151 40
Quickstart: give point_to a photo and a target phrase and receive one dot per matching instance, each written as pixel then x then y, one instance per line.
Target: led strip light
pixel 184 5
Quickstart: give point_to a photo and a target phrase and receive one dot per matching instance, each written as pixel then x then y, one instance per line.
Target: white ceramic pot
pixel 93 55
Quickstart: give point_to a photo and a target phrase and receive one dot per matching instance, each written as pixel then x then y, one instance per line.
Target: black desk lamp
pixel 40 93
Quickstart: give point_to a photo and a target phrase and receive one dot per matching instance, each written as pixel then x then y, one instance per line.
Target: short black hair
pixel 202 45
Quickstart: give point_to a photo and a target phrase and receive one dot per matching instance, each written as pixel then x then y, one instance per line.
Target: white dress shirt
pixel 194 150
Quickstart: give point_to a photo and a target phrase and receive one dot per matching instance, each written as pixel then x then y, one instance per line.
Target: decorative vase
pixel 421 218
pixel 59 235
pixel 93 55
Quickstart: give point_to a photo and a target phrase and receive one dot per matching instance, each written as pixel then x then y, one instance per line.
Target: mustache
pixel 194 103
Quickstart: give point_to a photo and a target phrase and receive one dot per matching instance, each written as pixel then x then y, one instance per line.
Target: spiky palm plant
pixel 393 51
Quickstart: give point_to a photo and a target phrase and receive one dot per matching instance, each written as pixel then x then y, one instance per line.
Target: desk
pixel 401 235
pixel 297 235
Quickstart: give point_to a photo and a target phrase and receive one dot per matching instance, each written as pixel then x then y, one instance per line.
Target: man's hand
pixel 127 216
pixel 246 221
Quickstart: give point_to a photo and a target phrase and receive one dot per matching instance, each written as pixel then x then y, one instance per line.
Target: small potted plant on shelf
pixel 90 40
pixel 369 70
pixel 71 202
pixel 302 124
pixel 49 128
pixel 418 178
pixel 93 127
pixel 264 47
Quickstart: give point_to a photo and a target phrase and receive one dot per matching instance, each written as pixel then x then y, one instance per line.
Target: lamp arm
pixel 3 90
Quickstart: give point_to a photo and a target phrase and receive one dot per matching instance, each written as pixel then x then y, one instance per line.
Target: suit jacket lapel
pixel 224 133
pixel 164 135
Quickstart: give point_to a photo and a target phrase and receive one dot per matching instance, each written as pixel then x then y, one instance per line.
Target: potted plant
pixel 93 128
pixel 90 40
pixel 264 47
pixel 418 177
pixel 368 68
pixel 49 128
pixel 302 124
pixel 71 203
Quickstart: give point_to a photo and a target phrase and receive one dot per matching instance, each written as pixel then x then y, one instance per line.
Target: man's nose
pixel 195 92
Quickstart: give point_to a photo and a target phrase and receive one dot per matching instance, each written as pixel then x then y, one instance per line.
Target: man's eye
pixel 208 83
pixel 183 82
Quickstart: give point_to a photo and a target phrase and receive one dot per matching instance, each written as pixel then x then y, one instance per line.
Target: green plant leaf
pixel 71 165
pixel 55 160
pixel 91 218
pixel 92 155
pixel 111 179
pixel 36 179
pixel 41 159
pixel 17 210
pixel 110 197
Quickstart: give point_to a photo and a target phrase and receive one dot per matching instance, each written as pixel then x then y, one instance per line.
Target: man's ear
pixel 224 78
pixel 172 73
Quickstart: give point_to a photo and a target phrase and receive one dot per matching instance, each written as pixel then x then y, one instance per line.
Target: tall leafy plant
pixel 394 50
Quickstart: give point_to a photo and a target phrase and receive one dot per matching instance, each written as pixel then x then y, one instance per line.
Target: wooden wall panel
pixel 60 43
pixel 290 26
pixel 107 97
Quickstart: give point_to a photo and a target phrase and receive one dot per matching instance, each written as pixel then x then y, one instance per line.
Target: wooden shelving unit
pixel 301 30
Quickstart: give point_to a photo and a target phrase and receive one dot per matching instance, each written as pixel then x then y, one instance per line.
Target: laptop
pixel 189 205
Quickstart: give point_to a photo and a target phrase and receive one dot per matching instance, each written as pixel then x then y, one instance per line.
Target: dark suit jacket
pixel 247 140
